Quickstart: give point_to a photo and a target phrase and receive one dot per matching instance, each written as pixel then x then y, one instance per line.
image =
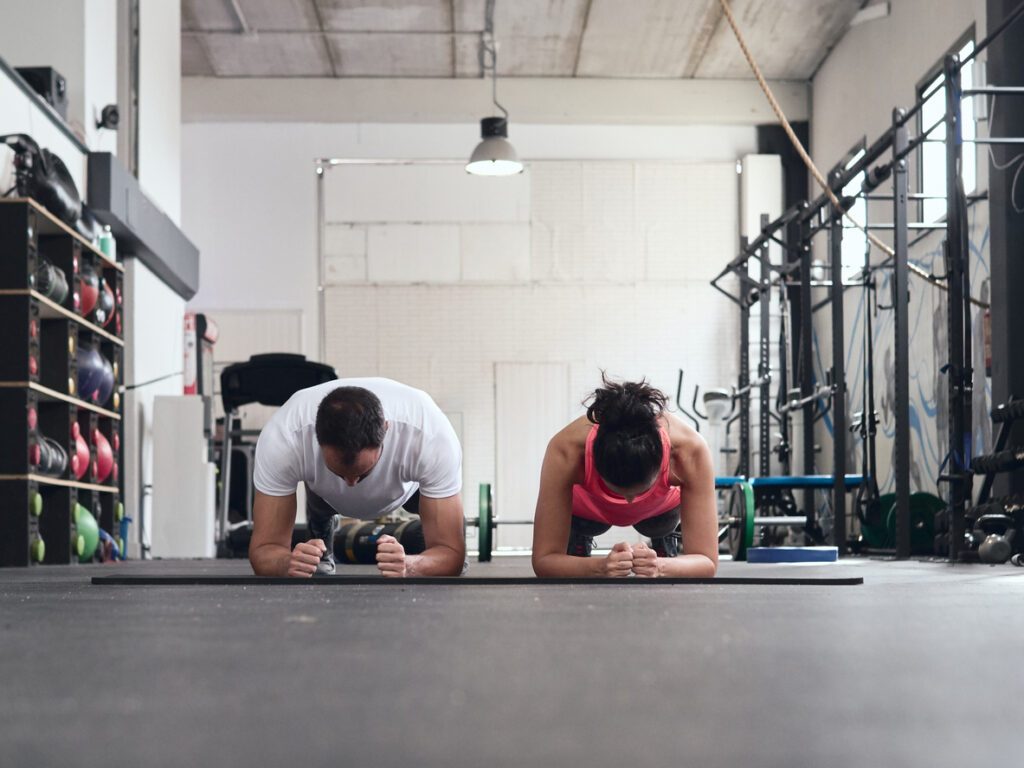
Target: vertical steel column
pixel 764 365
pixel 960 373
pixel 743 463
pixel 321 310
pixel 901 342
pixel 800 236
pixel 835 247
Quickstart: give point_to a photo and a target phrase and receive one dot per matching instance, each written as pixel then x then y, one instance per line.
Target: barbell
pixel 738 526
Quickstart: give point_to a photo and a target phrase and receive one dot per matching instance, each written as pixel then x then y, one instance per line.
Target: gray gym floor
pixel 919 666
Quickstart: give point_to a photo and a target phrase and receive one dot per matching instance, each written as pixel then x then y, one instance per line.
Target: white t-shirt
pixel 420 451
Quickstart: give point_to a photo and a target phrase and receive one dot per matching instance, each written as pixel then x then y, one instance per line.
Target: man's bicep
pixel 276 471
pixel 439 473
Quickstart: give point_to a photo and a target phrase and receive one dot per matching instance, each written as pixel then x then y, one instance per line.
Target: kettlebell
pixel 997 545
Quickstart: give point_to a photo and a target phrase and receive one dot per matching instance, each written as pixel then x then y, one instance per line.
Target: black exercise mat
pixel 455 581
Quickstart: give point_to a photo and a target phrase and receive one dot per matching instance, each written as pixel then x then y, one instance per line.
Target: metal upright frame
pixel 960 374
pixel 901 335
pixel 835 249
pixel 764 359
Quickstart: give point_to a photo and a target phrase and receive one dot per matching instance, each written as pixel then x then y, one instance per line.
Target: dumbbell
pixel 48 457
pixel 51 282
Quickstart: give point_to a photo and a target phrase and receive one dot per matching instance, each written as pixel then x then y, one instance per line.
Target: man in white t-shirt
pixel 363 448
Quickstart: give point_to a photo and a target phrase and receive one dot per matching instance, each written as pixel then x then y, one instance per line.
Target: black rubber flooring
pixel 919 666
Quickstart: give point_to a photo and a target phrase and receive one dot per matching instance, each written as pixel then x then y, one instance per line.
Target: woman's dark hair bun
pixel 625 405
pixel 628 447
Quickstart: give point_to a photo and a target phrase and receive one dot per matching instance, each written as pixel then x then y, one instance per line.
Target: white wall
pixel 155 323
pixel 873 69
pixel 100 60
pixel 250 195
pixel 160 104
pixel 154 347
pixel 594 262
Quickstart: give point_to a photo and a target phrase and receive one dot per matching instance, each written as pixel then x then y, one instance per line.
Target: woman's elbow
pixel 711 567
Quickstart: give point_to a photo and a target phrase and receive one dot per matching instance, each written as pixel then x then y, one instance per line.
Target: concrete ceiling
pixel 537 38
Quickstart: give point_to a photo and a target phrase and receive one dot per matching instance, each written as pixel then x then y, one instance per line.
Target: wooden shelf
pixel 52 394
pixel 47 480
pixel 50 310
pixel 51 225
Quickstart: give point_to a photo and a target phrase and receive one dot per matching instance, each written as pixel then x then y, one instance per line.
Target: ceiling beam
pixel 323 38
pixel 529 100
pixel 583 32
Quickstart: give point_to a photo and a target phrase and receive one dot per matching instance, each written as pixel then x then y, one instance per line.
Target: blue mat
pixel 792 554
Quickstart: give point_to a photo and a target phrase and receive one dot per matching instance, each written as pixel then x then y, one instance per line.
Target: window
pixel 854 240
pixel 933 152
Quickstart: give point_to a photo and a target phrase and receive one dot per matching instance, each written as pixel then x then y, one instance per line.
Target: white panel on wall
pixel 422 193
pixel 495 252
pixel 413 253
pixel 531 405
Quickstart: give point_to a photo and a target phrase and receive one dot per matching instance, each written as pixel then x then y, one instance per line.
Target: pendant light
pixel 494 155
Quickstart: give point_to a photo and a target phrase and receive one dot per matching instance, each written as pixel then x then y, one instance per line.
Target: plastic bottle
pixel 107 243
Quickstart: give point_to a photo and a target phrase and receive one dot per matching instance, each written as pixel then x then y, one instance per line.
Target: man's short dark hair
pixel 350 419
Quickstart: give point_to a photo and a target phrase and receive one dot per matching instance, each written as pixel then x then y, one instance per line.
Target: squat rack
pixel 801 223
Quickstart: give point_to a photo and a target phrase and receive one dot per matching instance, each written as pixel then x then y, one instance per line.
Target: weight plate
pixel 485 523
pixel 741 509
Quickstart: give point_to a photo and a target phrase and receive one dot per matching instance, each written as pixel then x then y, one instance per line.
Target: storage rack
pixel 39 391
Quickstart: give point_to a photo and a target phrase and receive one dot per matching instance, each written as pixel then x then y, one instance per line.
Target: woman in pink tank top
pixel 627 462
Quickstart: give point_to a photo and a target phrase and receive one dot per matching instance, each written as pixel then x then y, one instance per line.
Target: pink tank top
pixel 593 501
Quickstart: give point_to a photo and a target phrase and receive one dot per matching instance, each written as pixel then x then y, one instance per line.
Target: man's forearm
pixel 435 561
pixel 270 560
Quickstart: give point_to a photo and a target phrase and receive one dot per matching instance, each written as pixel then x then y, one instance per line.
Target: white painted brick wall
pixel 422 193
pixel 577 280
pixel 413 253
pixel 495 252
pixel 344 253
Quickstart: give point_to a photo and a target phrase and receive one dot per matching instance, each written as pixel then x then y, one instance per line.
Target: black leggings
pixel 653 527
